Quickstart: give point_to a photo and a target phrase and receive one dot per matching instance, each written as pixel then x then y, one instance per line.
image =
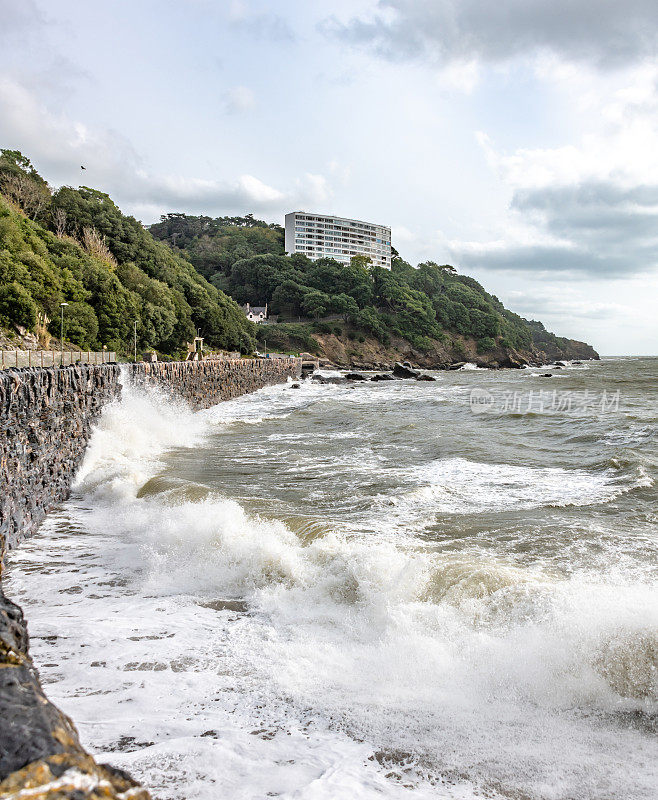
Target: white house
pixel 255 313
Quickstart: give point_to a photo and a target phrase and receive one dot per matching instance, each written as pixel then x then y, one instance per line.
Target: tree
pixel 22 184
pixel 315 304
pixel 17 307
pixel 345 305
pixel 81 325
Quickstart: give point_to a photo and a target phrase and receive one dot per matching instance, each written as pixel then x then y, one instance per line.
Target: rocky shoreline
pixel 372 355
pixel 404 370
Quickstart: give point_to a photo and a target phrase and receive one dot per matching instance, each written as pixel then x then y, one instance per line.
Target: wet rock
pixel 71 776
pixel 323 379
pixel 39 746
pixel 425 377
pixel 404 370
pixel 295 386
pixel 546 375
pixel 457 364
pixel 355 376
pixel 382 377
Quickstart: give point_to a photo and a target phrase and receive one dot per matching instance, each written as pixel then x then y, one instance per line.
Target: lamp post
pixel 61 334
pixel 135 330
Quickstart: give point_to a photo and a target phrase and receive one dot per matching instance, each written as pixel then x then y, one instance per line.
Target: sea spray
pixel 256 622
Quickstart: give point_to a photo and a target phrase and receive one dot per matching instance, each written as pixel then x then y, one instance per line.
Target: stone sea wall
pixel 206 383
pixel 46 417
pixel 46 420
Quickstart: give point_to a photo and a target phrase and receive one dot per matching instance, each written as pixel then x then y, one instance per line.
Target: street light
pixel 61 334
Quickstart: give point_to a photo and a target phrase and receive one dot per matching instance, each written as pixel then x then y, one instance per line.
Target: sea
pixel 401 589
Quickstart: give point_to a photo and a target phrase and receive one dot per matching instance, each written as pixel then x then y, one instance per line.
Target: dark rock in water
pixel 425 378
pixel 457 365
pixel 382 378
pixel 576 363
pixel 355 376
pixel 561 363
pixel 38 743
pixel 513 363
pixel 239 606
pixel 322 379
pixel 295 386
pixel 484 365
pixel 546 375
pixel 403 371
pixel 557 366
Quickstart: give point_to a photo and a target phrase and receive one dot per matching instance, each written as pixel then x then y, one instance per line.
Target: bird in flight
pixel 81 167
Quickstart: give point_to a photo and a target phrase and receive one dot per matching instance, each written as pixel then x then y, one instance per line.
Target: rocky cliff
pixel 372 354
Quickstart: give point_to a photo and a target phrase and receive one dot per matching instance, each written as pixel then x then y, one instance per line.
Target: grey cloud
pixel 549 259
pixel 18 17
pixel 264 26
pixel 604 230
pixel 606 33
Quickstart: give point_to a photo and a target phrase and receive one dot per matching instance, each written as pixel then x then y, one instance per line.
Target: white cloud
pixel 589 207
pixel 239 100
pixel 59 146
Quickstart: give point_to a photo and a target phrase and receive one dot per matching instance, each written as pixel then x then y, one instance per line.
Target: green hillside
pixel 188 273
pixel 75 246
pixel 423 305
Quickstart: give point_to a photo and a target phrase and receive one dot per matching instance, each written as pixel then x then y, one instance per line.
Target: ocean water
pixel 364 591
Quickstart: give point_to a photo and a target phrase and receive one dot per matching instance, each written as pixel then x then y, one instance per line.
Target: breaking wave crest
pixel 356 661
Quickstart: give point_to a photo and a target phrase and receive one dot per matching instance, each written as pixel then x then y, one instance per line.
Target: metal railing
pixel 53 358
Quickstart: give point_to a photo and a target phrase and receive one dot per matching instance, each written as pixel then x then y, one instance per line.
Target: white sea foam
pixel 460 486
pixel 245 659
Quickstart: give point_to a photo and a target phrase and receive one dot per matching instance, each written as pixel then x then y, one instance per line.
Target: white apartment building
pixel 320 236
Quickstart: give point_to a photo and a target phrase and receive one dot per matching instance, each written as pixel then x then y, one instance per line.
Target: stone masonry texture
pixel 46 420
pixel 206 383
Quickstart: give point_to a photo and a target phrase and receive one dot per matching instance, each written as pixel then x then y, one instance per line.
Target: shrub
pixel 362 339
pixel 17 306
pixel 80 326
pixel 485 344
pixel 322 327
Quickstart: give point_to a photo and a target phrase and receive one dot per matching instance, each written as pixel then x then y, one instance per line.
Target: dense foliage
pixel 76 246
pixel 214 245
pixel 420 304
pixel 187 274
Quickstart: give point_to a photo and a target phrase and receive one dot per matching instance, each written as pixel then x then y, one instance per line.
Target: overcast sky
pixel 516 139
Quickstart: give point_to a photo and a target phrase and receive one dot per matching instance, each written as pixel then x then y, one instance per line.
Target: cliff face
pixel 373 354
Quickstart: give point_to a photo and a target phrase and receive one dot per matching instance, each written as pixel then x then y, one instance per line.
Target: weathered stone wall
pixel 206 383
pixel 46 417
